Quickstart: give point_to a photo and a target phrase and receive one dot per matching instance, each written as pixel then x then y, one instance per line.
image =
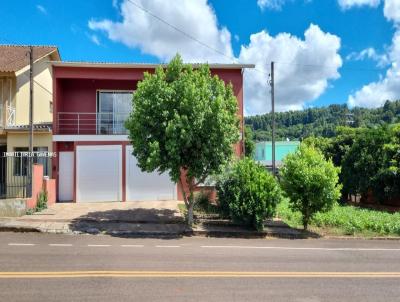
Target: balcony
pixel 104 123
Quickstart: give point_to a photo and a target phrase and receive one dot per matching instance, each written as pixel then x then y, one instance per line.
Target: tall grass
pixel 348 219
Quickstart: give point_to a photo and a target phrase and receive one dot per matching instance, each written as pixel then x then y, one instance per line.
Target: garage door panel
pixel 99 175
pixel 146 186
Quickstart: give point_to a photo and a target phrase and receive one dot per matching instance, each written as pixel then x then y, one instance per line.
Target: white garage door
pixel 146 186
pixel 98 173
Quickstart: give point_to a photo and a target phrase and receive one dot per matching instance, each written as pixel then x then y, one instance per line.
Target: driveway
pixel 115 218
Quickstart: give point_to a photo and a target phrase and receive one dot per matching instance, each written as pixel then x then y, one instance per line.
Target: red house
pixel 94 162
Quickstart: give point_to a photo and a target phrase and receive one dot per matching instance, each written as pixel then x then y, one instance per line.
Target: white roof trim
pixel 142 65
pixel 89 138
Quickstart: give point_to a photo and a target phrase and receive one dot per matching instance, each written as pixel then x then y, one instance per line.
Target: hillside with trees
pixel 296 125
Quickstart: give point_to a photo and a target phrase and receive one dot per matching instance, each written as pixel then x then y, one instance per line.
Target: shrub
pixel 203 204
pixel 310 181
pixel 41 201
pixel 248 194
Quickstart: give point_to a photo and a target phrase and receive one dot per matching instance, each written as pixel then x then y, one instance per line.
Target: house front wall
pixel 75 91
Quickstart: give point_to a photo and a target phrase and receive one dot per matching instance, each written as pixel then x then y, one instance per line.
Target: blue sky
pixel 350 55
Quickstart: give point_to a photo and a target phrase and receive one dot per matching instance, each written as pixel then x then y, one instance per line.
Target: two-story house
pixel 91 101
pixel 14 100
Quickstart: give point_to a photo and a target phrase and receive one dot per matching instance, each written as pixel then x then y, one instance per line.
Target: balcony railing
pixel 91 123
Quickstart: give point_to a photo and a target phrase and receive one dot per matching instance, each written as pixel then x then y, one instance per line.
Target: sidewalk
pixel 140 219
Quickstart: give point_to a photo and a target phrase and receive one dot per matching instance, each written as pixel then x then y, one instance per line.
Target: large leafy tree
pixel 184 122
pixel 310 181
pixel 362 162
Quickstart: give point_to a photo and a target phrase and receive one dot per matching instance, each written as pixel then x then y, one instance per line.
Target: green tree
pixel 248 194
pixel 249 144
pixel 184 122
pixel 386 183
pixel 364 160
pixel 323 144
pixel 310 181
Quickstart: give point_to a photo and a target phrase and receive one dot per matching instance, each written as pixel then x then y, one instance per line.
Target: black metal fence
pixel 15 176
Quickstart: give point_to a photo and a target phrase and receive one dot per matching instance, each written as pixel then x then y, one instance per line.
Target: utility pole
pixel 30 99
pixel 273 118
pixel 30 159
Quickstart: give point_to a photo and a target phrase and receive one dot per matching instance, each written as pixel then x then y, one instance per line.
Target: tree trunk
pixel 305 224
pixel 190 213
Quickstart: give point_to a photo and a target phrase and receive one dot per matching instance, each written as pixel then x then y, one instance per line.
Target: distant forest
pixel 296 125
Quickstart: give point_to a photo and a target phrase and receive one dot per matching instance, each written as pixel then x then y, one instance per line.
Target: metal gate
pixel 15 176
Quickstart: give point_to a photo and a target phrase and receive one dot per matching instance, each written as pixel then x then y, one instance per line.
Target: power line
pixel 233 59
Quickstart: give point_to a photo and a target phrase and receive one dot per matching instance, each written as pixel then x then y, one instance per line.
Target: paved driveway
pixel 138 211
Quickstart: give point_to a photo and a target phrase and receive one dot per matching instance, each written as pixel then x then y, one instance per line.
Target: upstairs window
pixel 113 109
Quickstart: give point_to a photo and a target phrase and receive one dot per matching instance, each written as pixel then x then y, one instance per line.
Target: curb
pixel 188 233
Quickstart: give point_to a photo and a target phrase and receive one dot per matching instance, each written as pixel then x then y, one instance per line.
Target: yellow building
pixel 14 98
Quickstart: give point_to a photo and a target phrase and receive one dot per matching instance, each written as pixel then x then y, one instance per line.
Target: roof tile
pixel 14 57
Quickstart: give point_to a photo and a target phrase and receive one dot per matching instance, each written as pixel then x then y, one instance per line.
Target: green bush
pixel 248 194
pixel 41 201
pixel 202 203
pixel 310 182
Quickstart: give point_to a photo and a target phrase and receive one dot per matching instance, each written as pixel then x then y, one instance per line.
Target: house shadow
pixel 168 224
pixel 131 223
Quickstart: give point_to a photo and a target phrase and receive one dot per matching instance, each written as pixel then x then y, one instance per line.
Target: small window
pixel 20 162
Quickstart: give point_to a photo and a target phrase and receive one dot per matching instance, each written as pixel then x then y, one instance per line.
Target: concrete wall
pixel 42 93
pixel 12 207
pixel 40 184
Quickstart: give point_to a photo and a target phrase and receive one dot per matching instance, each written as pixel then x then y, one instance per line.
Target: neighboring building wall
pixel 282 148
pixel 42 93
pixel 22 140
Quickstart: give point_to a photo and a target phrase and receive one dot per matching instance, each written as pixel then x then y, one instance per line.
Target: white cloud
pixel 391 10
pixel 295 84
pixel 41 9
pixel 94 39
pixel 382 60
pixel 303 68
pixel 271 4
pixel 386 88
pixel 347 4
pixel 139 29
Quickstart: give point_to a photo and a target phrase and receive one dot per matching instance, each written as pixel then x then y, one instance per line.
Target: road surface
pixel 47 267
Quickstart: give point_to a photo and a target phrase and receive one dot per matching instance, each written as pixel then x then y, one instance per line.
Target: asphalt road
pixel 46 267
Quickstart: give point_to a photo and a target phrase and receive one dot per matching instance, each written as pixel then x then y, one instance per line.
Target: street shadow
pixel 131 223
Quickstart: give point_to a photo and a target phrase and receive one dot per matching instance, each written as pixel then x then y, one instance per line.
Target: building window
pixel 21 162
pixel 113 109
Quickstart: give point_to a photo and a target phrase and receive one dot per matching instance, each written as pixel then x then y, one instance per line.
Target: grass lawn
pixel 345 220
